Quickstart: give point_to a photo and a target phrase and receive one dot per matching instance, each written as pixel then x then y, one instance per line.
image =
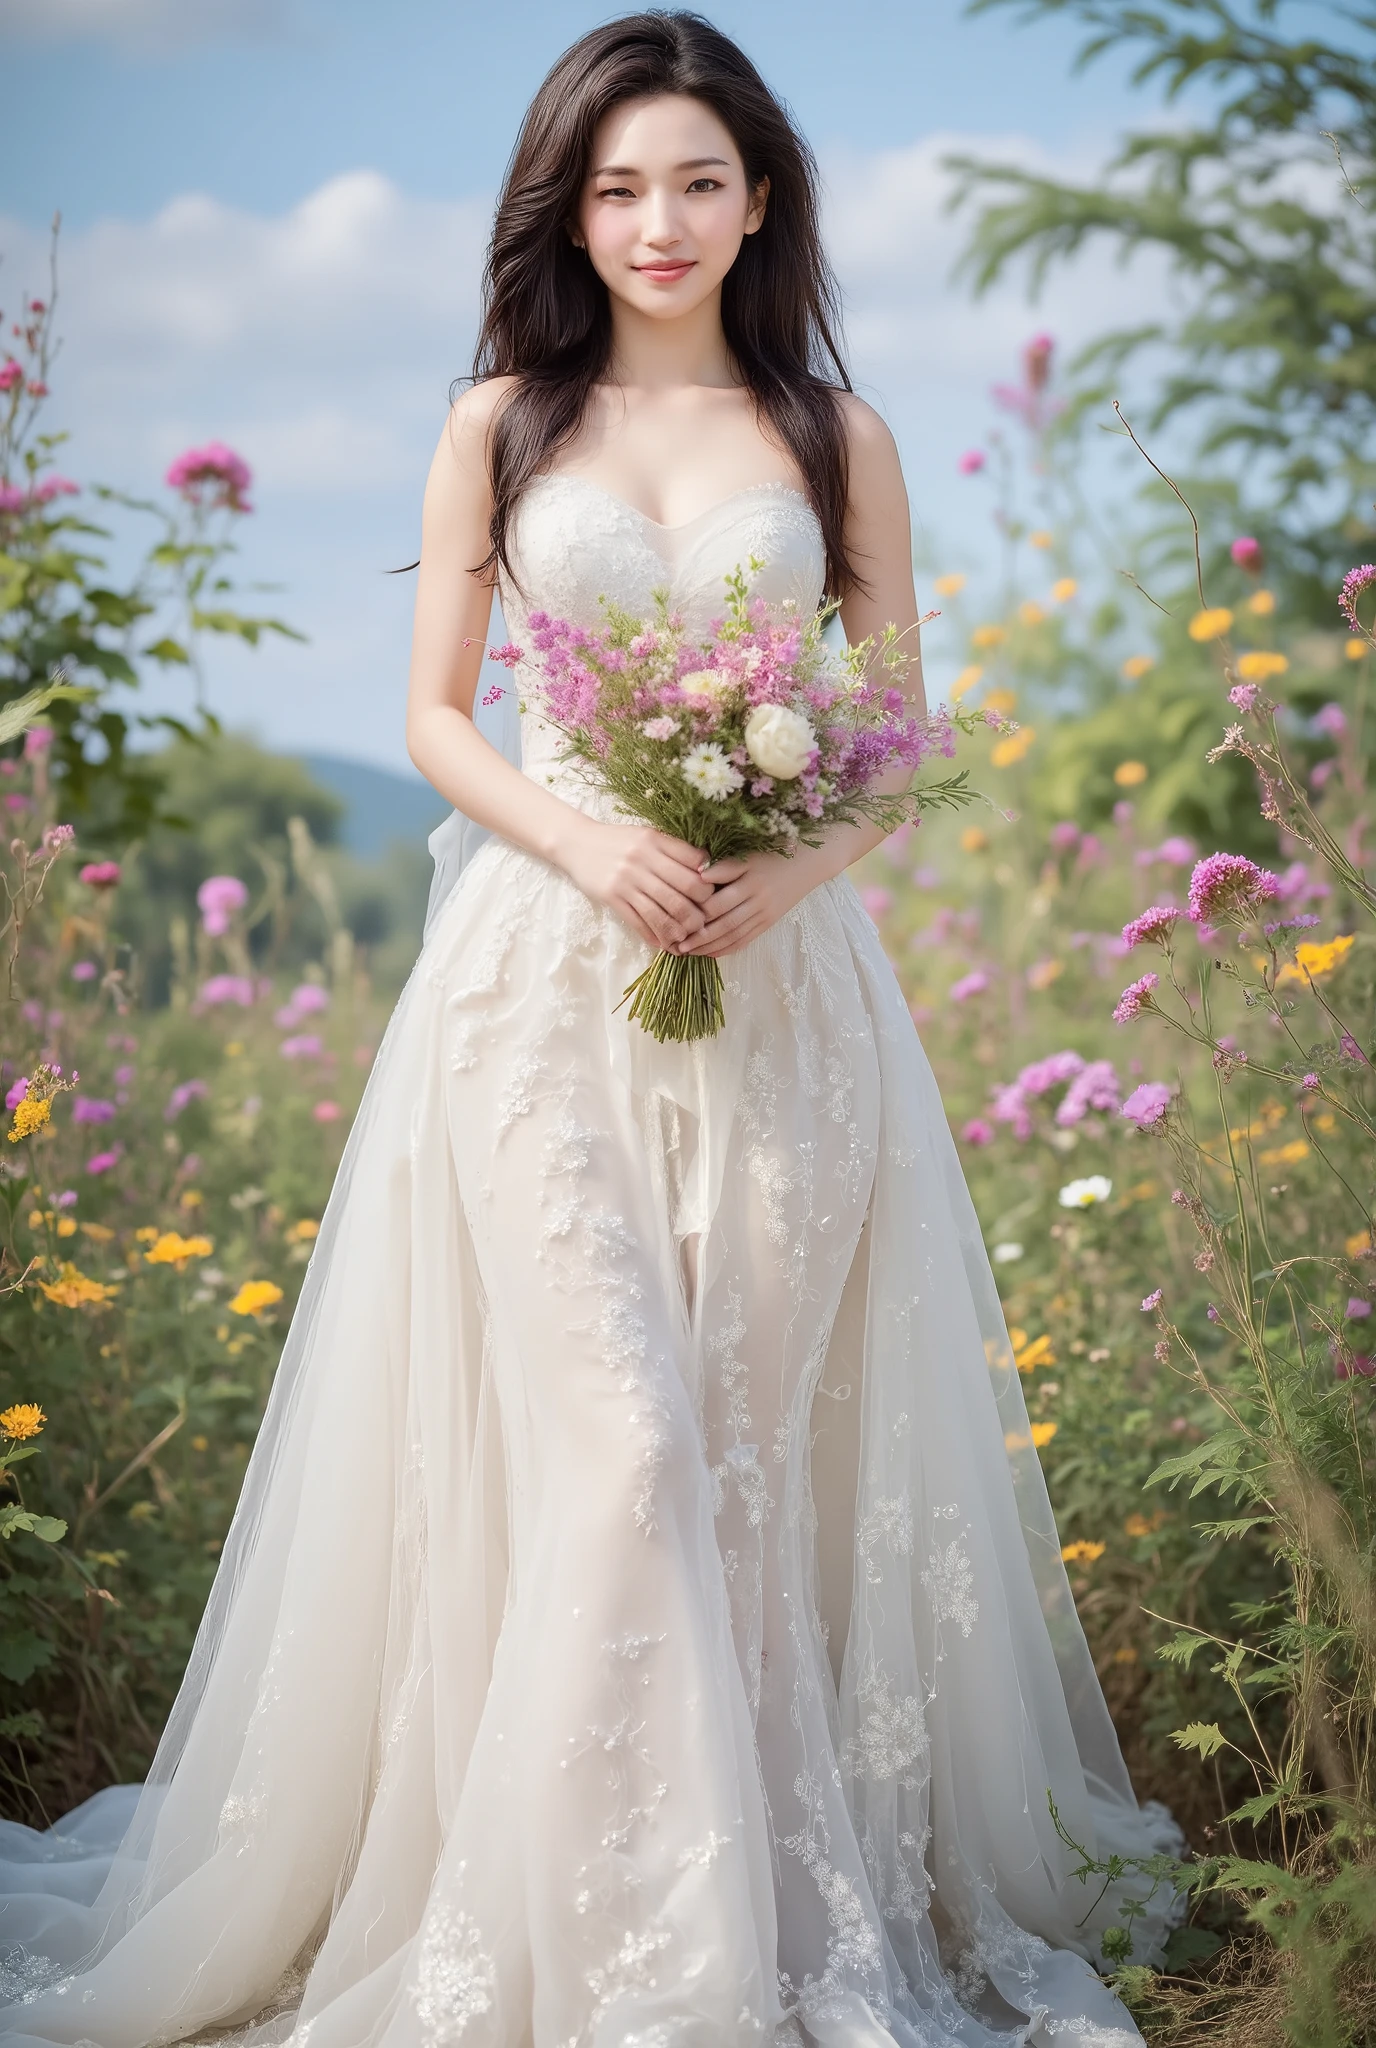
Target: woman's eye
pixel 617 192
pixel 705 185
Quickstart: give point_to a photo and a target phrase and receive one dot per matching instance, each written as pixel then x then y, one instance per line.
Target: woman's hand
pixel 652 882
pixel 753 894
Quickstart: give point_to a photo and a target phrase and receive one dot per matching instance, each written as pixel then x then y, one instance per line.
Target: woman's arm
pixel 755 894
pixel 652 881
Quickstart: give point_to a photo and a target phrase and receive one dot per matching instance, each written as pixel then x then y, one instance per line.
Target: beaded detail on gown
pixel 644 1625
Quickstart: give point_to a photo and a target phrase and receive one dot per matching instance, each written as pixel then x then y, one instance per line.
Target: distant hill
pixel 383 805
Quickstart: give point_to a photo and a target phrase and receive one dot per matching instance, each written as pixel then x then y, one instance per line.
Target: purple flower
pixel 1357 1308
pixel 306 1001
pixel 1134 999
pixel 65 1198
pixel 1304 921
pixel 101 1162
pixel 1152 1301
pixel 99 874
pixel 1331 721
pixel 1351 1049
pixel 1212 1313
pixel 1229 885
pixel 1153 926
pixel 85 970
pixel 37 741
pixel 1147 1104
pixel 1309 1081
pixel 1245 695
pixel 978 1132
pixel 877 900
pixel 18 1090
pixel 1064 837
pixel 1043 1075
pixel 1094 1087
pixel 58 836
pixel 92 1109
pixel 227 988
pixel 124 1075
pixel 1353 1364
pixel 305 1047
pixel 1247 553
pixel 1354 583
pixel 185 1092
pixel 218 897
pixel 972 462
pixel 973 984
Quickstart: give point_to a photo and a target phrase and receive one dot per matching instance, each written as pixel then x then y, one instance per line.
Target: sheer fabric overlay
pixel 644 1623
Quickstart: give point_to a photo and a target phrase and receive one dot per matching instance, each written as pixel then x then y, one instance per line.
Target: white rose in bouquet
pixel 707 685
pixel 780 742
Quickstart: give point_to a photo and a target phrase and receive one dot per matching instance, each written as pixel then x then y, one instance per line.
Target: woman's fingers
pixel 720 872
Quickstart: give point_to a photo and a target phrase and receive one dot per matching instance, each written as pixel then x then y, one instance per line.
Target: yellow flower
pixel 1128 774
pixel 1125 1654
pixel 30 1115
pixel 1355 1246
pixel 1356 649
pixel 1043 973
pixel 1064 589
pixel 1031 614
pixel 66 1226
pixel 302 1232
pixel 1030 1356
pixel 1040 539
pixel 73 1290
pixel 1136 666
pixel 1000 699
pixel 99 1233
pixel 966 680
pixel 191 1198
pixel 1285 1155
pixel 1314 959
pixel 1082 1553
pixel 255 1296
pixel 1211 624
pixel 1262 603
pixel 1257 665
pixel 1012 747
pixel 38 1217
pixel 172 1249
pixel 23 1420
pixel 949 586
pixel 972 840
pixel 1138 1525
pixel 146 1233
pixel 989 636
pixel 200 1443
pixel 1042 1433
pixel 234 1048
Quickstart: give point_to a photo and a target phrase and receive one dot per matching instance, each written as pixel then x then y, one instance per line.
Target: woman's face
pixel 665 204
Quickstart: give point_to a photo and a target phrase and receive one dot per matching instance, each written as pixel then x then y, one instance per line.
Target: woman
pixel 643 1626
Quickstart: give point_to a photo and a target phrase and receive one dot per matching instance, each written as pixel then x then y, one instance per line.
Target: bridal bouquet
pixel 759 737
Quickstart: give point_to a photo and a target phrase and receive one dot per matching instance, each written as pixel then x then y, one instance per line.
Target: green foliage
pixel 1264 211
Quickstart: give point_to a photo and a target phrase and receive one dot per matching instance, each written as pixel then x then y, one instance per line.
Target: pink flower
pixel 978 1132
pixel 37 741
pixel 1094 1087
pixel 1357 1309
pixel 327 1112
pixel 1304 921
pixel 184 1093
pixel 973 984
pixel 1153 926
pixel 1331 721
pixel 55 487
pixel 58 836
pixel 1245 695
pixel 1309 1081
pixel 662 728
pixel 1134 999
pixel 18 1090
pixel 100 874
pixel 11 373
pixel 306 1001
pixel 1212 1313
pixel 90 1109
pixel 305 1047
pixel 218 897
pixel 85 970
pixel 877 901
pixel 101 1162
pixel 1147 1104
pixel 1229 885
pixel 1152 1301
pixel 1351 1049
pixel 1064 837
pixel 12 499
pixel 37 388
pixel 227 988
pixel 509 654
pixel 1354 583
pixel 972 462
pixel 1247 553
pixel 213 476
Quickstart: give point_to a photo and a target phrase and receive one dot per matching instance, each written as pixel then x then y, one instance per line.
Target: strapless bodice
pixel 573 544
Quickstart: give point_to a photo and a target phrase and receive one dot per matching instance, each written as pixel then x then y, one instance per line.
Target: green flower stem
pixel 679 997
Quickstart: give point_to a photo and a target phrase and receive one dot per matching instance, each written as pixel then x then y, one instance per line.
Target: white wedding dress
pixel 644 1624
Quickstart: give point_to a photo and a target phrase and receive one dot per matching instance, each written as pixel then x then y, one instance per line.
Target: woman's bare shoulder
pixel 460 465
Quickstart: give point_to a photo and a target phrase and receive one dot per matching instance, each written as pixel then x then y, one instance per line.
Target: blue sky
pixel 274 214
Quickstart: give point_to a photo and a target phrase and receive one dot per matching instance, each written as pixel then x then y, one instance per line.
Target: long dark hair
pixel 546 313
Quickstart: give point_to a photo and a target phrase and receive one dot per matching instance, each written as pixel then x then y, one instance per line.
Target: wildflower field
pixel 1144 968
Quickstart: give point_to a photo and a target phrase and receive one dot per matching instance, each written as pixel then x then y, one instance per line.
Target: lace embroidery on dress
pixel 456 1977
pixel 949 1579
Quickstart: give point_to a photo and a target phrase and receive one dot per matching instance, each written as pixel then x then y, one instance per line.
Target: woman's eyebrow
pixel 693 163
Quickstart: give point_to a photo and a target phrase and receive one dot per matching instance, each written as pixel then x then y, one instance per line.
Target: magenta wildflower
pixel 1153 926
pixel 18 1090
pixel 1245 696
pixel 1352 1050
pixel 1309 1081
pixel 184 1093
pixel 218 897
pixel 1064 837
pixel 306 1046
pixel 212 476
pixel 1331 721
pixel 1094 1087
pixel 85 970
pixel 1147 1104
pixel 1247 553
pixel 973 984
pixel 1152 1301
pixel 1228 884
pixel 978 1132
pixel 1212 1313
pixel 227 988
pixel 58 836
pixel 91 1109
pixel 37 741
pixel 508 654
pixel 1357 1308
pixel 1135 998
pixel 1354 583
pixel 101 1162
pixel 100 874
pixel 973 461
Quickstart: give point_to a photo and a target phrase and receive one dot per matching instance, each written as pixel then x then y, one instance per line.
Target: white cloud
pixel 151 27
pixel 321 342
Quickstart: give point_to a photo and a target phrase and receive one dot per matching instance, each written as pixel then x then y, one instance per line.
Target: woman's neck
pixel 668 355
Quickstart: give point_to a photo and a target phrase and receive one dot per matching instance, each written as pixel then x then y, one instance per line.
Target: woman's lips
pixel 664 273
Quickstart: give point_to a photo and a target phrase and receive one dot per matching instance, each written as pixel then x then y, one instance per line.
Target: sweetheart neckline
pixel 564 476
